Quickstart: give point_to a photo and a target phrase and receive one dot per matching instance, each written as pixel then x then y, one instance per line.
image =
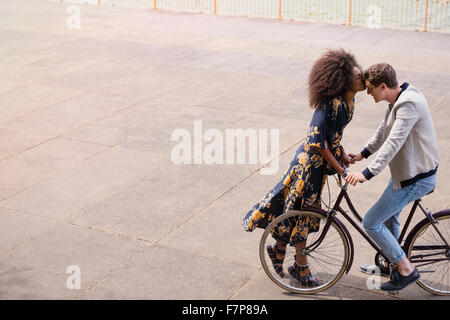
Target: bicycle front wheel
pixel 327 262
pixel 427 248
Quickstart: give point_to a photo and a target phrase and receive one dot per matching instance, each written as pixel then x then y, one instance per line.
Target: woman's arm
pixel 328 156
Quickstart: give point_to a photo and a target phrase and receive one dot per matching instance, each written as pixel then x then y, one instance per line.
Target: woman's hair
pixel 331 76
pixel 381 73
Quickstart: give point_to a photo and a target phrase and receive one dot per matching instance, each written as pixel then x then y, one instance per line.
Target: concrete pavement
pixel 87 117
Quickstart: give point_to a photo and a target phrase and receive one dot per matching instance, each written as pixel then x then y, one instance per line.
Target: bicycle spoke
pixel 426 246
pixel 319 264
pixel 327 261
pixel 328 255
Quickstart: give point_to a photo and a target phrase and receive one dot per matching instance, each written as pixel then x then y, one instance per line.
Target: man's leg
pixel 393 225
pixel 389 205
pixel 385 209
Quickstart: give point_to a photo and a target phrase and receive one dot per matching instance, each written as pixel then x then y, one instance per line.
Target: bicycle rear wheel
pixel 427 250
pixel 327 262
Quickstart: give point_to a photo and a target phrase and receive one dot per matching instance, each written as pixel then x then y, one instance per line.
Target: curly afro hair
pixel 331 76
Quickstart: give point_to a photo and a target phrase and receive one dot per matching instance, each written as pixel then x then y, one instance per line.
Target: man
pixel 406 141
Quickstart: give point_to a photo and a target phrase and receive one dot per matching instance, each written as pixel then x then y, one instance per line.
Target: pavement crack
pixel 63 221
pixel 438 104
pixel 243 284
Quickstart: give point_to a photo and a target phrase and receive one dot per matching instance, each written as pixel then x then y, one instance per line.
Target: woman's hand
pixel 356 156
pixel 347 160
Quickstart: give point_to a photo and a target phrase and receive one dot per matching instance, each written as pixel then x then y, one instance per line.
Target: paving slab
pixel 39 268
pixel 156 203
pixel 161 272
pixel 38 164
pixel 24 226
pixel 222 221
pixel 32 98
pixel 86 146
pixel 62 195
pixel 259 287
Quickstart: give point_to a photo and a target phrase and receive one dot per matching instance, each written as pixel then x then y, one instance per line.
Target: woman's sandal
pixel 273 251
pixel 308 280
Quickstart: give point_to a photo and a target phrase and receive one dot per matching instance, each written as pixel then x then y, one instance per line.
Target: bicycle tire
pixel 412 246
pixel 292 285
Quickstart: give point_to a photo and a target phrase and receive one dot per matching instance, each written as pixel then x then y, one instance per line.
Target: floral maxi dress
pixel 303 181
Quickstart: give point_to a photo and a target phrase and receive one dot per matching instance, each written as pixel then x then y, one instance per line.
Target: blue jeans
pixel 381 222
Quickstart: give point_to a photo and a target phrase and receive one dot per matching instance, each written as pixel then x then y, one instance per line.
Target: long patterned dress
pixel 303 181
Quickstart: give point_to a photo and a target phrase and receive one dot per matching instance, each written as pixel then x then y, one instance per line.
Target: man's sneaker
pixel 372 269
pixel 399 282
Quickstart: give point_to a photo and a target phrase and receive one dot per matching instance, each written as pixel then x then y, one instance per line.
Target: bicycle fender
pixel 419 225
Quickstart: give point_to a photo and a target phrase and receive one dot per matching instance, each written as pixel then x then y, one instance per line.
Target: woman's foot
pixel 301 273
pixel 276 255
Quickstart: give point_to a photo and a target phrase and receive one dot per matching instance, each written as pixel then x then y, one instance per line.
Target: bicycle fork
pixel 317 243
pixel 330 218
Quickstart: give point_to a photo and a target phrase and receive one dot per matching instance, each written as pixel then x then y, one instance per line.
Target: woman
pixel 333 82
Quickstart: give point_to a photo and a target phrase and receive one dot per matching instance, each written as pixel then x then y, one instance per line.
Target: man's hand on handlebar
pixel 354 177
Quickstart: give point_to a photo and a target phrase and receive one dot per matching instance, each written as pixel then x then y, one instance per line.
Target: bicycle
pixel 330 250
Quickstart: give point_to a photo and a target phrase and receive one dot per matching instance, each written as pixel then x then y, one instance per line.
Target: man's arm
pixel 406 117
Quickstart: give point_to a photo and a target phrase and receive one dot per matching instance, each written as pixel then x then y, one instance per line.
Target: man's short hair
pixel 381 73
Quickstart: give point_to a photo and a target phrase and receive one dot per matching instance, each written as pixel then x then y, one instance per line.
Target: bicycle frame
pixel 337 208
